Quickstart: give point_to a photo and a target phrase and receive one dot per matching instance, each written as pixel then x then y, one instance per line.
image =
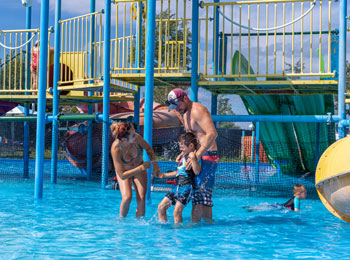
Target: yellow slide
pixel 333 178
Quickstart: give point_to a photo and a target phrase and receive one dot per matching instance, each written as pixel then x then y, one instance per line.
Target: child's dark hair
pixel 298 188
pixel 189 138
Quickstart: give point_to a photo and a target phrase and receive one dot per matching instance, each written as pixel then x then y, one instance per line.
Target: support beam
pixel 40 128
pixel 55 105
pixel 342 65
pixel 148 120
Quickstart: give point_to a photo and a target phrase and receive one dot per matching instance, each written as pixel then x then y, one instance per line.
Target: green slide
pixel 293 145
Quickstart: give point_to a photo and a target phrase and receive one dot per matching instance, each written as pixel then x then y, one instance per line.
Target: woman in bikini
pixel 126 152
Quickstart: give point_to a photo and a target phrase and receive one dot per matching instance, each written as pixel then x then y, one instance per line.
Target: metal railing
pixel 295 46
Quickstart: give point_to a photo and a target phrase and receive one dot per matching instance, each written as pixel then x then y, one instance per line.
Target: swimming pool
pixel 79 220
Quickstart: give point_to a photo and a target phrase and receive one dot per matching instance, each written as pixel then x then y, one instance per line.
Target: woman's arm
pixel 151 155
pixel 119 166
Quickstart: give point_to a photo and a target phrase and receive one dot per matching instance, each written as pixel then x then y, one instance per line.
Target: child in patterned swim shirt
pixel 181 195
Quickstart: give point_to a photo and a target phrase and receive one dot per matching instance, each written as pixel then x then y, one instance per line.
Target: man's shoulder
pixel 198 108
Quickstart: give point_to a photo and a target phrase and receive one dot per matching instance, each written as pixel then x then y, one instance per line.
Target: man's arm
pixel 204 121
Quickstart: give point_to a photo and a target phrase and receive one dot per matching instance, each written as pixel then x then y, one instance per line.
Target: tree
pixel 225 108
pixel 297 68
pixel 171 31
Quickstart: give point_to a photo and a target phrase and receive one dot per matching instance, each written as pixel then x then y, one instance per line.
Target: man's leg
pixel 207 213
pixel 196 215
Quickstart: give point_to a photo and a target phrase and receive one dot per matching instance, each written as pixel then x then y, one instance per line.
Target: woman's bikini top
pixel 139 153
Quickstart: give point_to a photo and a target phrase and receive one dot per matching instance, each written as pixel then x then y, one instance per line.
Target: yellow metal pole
pixel 177 50
pixel 87 19
pixel 185 38
pixel 70 47
pixel 206 43
pixel 240 41
pixel 267 39
pixel 231 35
pixel 78 56
pixel 168 35
pixel 329 35
pixel 199 45
pixel 311 19
pixel 100 47
pixel 215 42
pixel 257 48
pixel 124 24
pixel 116 55
pixel 16 44
pixel 302 40
pixel 166 44
pixel 293 17
pixel 275 42
pixel 248 40
pixel 4 70
pixel 320 39
pixel 48 59
pixel 131 42
pixel 20 66
pixel 10 62
pixel 284 40
pixel 160 42
pixel 223 42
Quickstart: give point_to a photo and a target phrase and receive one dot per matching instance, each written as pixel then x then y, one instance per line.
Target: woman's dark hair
pixel 188 138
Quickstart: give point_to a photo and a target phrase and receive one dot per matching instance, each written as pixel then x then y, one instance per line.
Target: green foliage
pixel 225 108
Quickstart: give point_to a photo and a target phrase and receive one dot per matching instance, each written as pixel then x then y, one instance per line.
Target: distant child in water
pixel 300 192
pixel 181 195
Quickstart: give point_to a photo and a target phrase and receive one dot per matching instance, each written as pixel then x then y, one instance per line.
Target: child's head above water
pixel 299 191
pixel 188 142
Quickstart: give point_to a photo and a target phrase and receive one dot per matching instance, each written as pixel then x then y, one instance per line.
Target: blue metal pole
pixel 40 127
pixel 106 92
pixel 55 105
pixel 138 62
pixel 257 150
pixel 342 65
pixel 252 148
pixel 222 54
pixel 335 54
pixel 26 106
pixel 277 118
pixel 195 34
pixel 148 119
pixel 278 165
pixel 214 106
pixel 317 148
pixel 216 39
pixel 90 93
pixel 242 145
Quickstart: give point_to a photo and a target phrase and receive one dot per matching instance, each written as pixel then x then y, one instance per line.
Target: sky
pixel 13 16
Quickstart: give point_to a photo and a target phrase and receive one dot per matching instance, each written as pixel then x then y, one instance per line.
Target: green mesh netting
pixel 280 166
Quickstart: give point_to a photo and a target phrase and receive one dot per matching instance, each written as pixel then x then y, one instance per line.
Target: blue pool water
pixel 78 220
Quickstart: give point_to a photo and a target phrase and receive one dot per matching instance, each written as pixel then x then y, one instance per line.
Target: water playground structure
pixel 286 59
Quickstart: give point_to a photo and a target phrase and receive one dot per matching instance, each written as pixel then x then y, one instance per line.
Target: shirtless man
pixel 197 119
